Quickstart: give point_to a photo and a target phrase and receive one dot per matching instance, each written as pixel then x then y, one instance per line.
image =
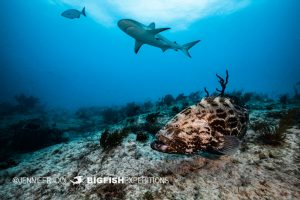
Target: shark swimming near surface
pixel 150 35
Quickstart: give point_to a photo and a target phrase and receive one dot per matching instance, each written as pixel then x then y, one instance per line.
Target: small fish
pixel 214 125
pixel 73 13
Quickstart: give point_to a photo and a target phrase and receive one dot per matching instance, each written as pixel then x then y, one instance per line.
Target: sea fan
pixel 271 135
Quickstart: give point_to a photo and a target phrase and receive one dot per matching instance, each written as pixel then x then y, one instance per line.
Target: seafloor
pixel 259 170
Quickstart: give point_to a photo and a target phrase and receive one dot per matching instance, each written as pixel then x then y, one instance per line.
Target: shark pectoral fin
pixel 158 30
pixel 137 46
pixel 164 48
pixel 152 25
pixel 231 145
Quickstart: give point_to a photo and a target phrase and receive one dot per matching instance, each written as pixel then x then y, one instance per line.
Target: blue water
pixel 81 62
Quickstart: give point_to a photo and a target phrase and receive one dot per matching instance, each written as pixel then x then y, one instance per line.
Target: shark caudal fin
pixel 186 47
pixel 83 12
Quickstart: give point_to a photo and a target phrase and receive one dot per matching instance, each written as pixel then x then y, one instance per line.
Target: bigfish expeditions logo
pixel 119 180
pixel 79 180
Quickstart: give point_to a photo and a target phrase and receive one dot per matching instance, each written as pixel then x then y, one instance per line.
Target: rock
pixel 262 156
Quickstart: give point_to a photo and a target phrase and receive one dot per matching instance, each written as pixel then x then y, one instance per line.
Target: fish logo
pixel 77 180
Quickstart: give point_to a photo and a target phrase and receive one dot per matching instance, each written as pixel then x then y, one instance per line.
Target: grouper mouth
pixel 160 144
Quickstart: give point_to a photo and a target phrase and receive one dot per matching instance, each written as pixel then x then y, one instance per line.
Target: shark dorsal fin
pixel 152 25
pixel 137 46
pixel 158 30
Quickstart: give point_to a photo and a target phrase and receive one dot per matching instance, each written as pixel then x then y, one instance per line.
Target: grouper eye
pixel 176 125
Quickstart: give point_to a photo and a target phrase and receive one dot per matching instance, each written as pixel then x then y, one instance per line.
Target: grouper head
pixel 165 144
pixel 177 137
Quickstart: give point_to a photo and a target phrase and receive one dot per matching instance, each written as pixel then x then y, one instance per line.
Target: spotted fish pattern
pixel 213 125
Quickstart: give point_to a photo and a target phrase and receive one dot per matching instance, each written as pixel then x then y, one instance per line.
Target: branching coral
pixel 86 113
pixel 195 97
pixel 152 118
pixel 296 93
pixel 206 91
pixel 175 109
pixel 147 127
pixel 168 100
pixel 32 134
pixel 272 135
pixel 180 97
pixel 290 118
pixel 275 114
pixel 110 116
pixel 109 140
pixel 239 97
pixel 147 106
pixel 223 83
pixel 26 103
pixel 275 136
pixel 258 125
pixel 132 109
pixel 283 99
pixel 141 137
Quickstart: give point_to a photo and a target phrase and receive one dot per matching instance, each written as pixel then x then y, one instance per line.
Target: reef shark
pixel 150 35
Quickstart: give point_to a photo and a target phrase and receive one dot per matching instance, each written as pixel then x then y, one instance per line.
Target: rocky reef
pixel 115 142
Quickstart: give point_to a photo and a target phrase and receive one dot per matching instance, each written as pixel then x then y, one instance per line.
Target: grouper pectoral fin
pixel 158 30
pixel 231 145
pixel 137 46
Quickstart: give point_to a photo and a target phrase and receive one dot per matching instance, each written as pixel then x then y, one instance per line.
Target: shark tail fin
pixel 83 12
pixel 186 47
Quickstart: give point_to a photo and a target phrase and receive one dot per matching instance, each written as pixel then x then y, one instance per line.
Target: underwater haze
pixel 90 61
pixel 153 99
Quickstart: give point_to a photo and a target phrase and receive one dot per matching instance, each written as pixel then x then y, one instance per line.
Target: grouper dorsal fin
pixel 158 30
pixel 152 25
pixel 137 46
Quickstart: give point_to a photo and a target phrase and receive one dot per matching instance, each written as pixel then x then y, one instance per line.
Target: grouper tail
pixel 185 48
